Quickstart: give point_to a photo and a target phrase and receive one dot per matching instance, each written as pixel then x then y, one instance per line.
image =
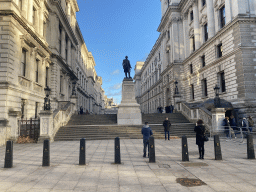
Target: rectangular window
pixel 44 28
pixel 191 16
pixel 192 92
pixel 23 63
pixel 36 70
pixel 191 68
pixel 222 82
pixel 34 16
pixel 204 88
pixel 60 40
pixel 46 76
pixel 203 60
pixel 222 17
pixel 193 41
pixel 36 109
pixel 60 83
pixel 205 32
pixel 203 3
pixel 219 50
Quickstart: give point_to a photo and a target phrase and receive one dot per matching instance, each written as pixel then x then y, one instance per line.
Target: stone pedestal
pixel 46 125
pixel 129 110
pixel 218 114
pixel 177 99
pixel 73 100
pixel 13 122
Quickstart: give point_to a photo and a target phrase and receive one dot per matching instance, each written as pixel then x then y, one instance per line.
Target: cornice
pixel 66 67
pixel 22 22
pixel 165 18
pixel 152 52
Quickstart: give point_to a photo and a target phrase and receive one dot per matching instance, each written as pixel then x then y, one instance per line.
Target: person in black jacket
pixel 167 125
pixel 200 132
pixel 146 132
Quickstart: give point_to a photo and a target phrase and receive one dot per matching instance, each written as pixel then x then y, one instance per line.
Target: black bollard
pixel 8 163
pixel 184 149
pixel 82 159
pixel 152 157
pixel 46 153
pixel 250 147
pixel 117 151
pixel 217 149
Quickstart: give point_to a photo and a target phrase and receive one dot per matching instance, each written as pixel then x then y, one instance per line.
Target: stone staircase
pixel 99 127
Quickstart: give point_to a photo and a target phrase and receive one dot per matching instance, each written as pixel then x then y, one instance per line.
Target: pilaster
pixel 63 43
pixel 210 17
pixel 196 25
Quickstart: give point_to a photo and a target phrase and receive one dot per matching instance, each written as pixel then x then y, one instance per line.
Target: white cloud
pixel 116 86
pixel 116 72
pixel 107 81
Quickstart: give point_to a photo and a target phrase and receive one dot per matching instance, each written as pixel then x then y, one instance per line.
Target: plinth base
pixel 129 110
pixel 129 114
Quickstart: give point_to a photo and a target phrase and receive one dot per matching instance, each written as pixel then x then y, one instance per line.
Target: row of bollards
pixel 82 152
pixel 217 148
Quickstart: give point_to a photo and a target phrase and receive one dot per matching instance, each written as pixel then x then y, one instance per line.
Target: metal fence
pixel 29 128
pixel 233 133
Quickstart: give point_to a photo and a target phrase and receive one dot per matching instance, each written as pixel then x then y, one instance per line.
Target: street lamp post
pixel 217 98
pixel 47 102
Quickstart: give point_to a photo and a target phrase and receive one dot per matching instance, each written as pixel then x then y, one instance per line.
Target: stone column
pixel 210 16
pixel 196 26
pixel 30 10
pixel 41 19
pixel 69 53
pixel 69 12
pixel 191 44
pixel 175 39
pixel 228 11
pixel 25 8
pixel 63 43
pixel 36 24
pixel 186 35
pixel 46 125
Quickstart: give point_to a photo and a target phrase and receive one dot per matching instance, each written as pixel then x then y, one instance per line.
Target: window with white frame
pixel 204 88
pixel 221 76
pixel 23 62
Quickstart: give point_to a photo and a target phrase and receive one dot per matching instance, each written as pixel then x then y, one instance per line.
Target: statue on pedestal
pixel 127 67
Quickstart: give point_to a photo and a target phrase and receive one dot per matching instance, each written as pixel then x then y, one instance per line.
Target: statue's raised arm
pixel 127 67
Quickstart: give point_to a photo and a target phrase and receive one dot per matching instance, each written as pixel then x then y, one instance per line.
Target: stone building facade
pixel 202 43
pixel 41 45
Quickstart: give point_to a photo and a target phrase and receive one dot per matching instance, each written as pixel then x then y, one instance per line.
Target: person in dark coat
pixel 146 132
pixel 225 125
pixel 167 125
pixel 81 110
pixel 200 132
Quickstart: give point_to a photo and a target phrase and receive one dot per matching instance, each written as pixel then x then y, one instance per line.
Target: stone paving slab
pixel 233 173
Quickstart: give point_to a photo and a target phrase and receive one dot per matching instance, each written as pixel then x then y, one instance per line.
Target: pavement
pixel 234 173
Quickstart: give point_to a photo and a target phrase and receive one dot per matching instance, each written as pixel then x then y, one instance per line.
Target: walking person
pixel 167 125
pixel 251 123
pixel 200 133
pixel 146 132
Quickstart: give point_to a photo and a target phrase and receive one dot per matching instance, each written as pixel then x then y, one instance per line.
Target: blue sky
pixel 113 29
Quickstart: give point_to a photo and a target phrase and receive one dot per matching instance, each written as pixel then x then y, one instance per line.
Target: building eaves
pixel 165 18
pixel 152 52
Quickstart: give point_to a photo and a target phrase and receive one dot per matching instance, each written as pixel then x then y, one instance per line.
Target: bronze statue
pixel 127 66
